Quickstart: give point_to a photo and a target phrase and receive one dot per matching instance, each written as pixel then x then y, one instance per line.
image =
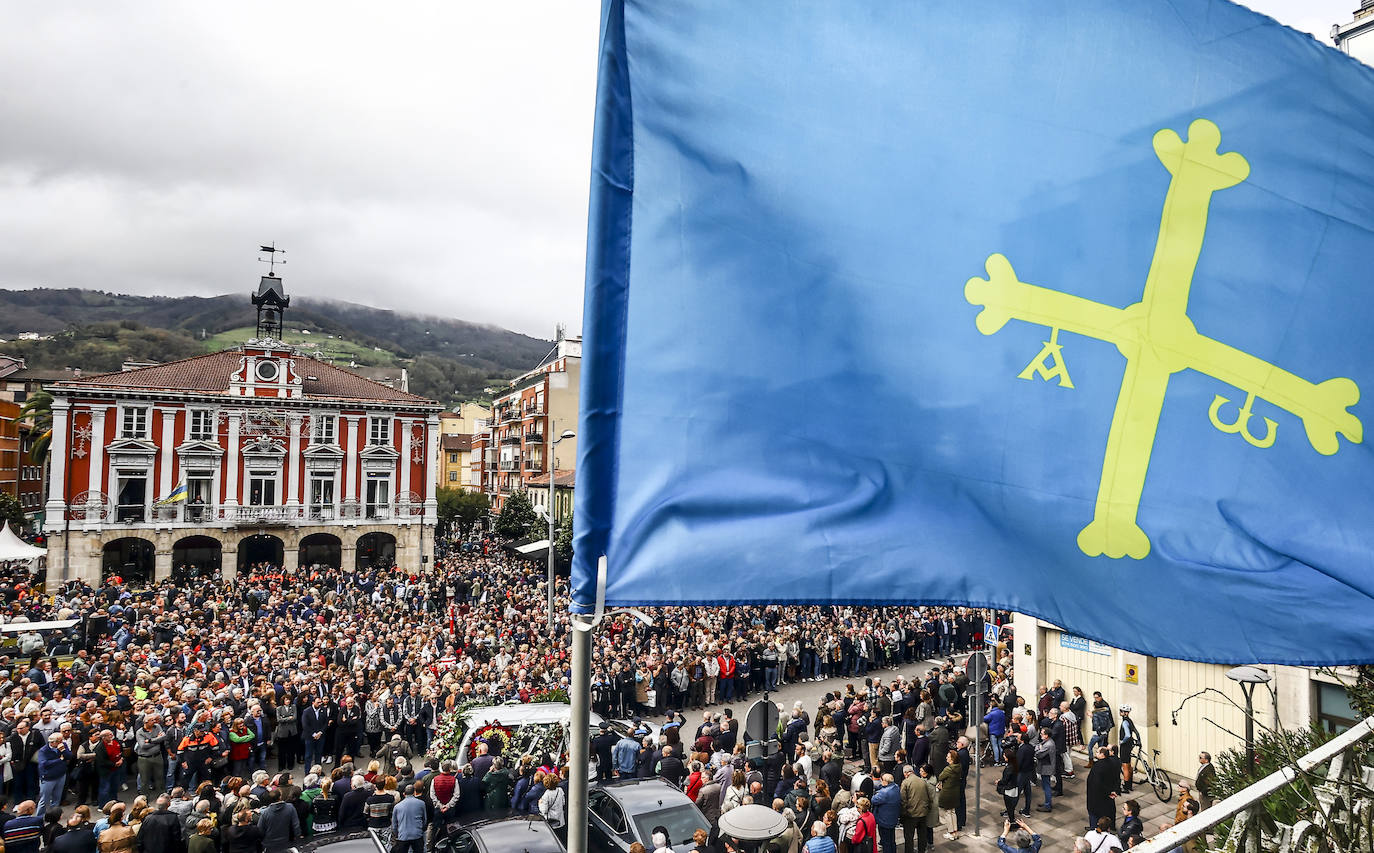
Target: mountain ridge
pixel 448 359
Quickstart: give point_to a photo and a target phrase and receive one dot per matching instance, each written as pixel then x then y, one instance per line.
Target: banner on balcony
pixel 1056 307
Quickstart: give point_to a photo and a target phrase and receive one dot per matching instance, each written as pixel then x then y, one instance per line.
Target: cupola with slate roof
pixel 271 301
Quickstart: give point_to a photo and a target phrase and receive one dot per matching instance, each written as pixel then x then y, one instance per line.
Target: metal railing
pixel 261 514
pixel 1345 822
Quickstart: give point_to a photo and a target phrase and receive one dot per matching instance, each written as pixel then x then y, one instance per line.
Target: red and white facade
pixel 286 459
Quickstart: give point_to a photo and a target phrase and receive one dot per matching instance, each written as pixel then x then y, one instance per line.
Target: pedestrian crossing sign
pixel 990 632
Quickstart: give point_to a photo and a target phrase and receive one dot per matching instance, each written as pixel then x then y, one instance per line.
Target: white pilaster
pixel 95 481
pixel 351 474
pixel 231 464
pixel 169 417
pixel 407 447
pixel 431 469
pixel 293 461
pixel 57 472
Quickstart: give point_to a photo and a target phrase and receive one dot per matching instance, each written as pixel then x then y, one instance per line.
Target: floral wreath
pixel 494 731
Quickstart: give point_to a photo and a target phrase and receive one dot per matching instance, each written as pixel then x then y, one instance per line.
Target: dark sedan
pixel 621 813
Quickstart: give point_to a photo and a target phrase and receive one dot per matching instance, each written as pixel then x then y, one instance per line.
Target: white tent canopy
pixel 14 548
pixel 534 549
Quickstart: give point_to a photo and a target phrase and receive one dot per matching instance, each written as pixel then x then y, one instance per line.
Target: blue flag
pixel 1060 307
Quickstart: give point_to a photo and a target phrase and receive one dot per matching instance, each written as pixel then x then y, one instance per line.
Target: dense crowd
pixel 287 703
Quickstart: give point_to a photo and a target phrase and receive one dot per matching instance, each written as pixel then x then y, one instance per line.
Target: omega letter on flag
pixel 1062 308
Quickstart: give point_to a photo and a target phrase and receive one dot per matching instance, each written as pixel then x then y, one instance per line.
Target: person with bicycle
pixel 1127 739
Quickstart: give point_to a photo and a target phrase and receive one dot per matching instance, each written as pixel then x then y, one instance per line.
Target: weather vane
pixel 271 259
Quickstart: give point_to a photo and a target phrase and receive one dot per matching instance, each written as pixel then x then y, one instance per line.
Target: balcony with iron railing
pixel 534 464
pixel 534 437
pixel 513 438
pixel 510 464
pixel 1340 818
pixel 100 512
pixel 510 414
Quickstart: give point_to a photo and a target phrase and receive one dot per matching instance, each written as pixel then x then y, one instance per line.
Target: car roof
pixel 519 832
pixel 515 715
pixel 349 842
pixel 640 795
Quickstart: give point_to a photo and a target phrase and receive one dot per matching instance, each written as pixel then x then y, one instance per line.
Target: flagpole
pixel 579 735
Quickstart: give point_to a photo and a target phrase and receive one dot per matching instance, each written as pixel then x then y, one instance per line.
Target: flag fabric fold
pixel 1061 309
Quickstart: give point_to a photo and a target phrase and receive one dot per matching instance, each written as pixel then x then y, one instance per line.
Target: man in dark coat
pixel 1104 783
pixel 280 824
pixel 603 747
pixel 671 768
pixel 77 839
pixel 1025 764
pixel 161 830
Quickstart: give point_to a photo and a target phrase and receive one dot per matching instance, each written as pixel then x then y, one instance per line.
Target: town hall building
pixel 221 462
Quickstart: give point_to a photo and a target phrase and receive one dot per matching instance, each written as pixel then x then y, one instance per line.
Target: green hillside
pixel 448 360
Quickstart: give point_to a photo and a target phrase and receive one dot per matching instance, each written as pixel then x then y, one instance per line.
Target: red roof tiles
pixel 210 374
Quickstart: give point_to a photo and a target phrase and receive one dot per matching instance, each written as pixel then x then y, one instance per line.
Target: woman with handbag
pixel 1007 786
pixel 950 778
pixel 865 836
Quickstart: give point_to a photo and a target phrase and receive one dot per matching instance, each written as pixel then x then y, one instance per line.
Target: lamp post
pixel 1247 677
pixel 579 726
pixel 553 442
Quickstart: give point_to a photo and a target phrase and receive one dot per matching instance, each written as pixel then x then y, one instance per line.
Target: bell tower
pixel 271 299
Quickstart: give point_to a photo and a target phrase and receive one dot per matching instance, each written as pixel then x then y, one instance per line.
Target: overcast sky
pixel 423 156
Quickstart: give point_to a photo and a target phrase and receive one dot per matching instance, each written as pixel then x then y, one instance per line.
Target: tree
pixel 446 508
pixel 563 541
pixel 39 407
pixel 11 511
pixel 518 519
pixel 460 509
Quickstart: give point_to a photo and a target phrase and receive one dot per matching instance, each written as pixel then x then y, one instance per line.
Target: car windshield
pixel 680 821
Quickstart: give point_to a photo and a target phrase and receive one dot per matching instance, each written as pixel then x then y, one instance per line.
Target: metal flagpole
pixel 579 736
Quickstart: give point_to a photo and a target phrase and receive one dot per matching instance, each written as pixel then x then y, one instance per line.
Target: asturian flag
pixel 1063 307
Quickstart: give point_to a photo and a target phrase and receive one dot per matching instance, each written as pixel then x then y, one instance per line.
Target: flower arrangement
pixel 555 694
pixel 494 733
pixel 448 735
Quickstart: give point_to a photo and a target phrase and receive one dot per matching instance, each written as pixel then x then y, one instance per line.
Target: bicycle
pixel 1148 770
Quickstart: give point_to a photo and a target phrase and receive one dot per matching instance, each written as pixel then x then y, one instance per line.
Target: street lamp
pixel 1247 677
pixel 553 442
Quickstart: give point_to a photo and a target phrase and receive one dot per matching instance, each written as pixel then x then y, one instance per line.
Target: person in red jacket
pixel 865 836
pixel 241 742
pixel 726 683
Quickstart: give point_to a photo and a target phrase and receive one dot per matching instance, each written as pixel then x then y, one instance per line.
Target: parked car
pixel 525 833
pixel 621 813
pixel 363 841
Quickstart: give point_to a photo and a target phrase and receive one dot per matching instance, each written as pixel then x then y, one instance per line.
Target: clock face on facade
pixel 267 371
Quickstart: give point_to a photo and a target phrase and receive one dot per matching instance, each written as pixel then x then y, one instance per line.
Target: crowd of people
pixel 247 714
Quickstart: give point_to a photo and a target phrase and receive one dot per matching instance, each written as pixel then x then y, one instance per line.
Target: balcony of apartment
pixel 510 464
pixel 534 437
pixel 513 413
pixel 535 465
pixel 513 438
pixel 531 412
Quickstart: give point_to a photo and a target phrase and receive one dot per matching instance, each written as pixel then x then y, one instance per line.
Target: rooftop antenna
pixel 271 260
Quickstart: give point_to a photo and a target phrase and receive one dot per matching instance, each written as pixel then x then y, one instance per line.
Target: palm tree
pixel 39 407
